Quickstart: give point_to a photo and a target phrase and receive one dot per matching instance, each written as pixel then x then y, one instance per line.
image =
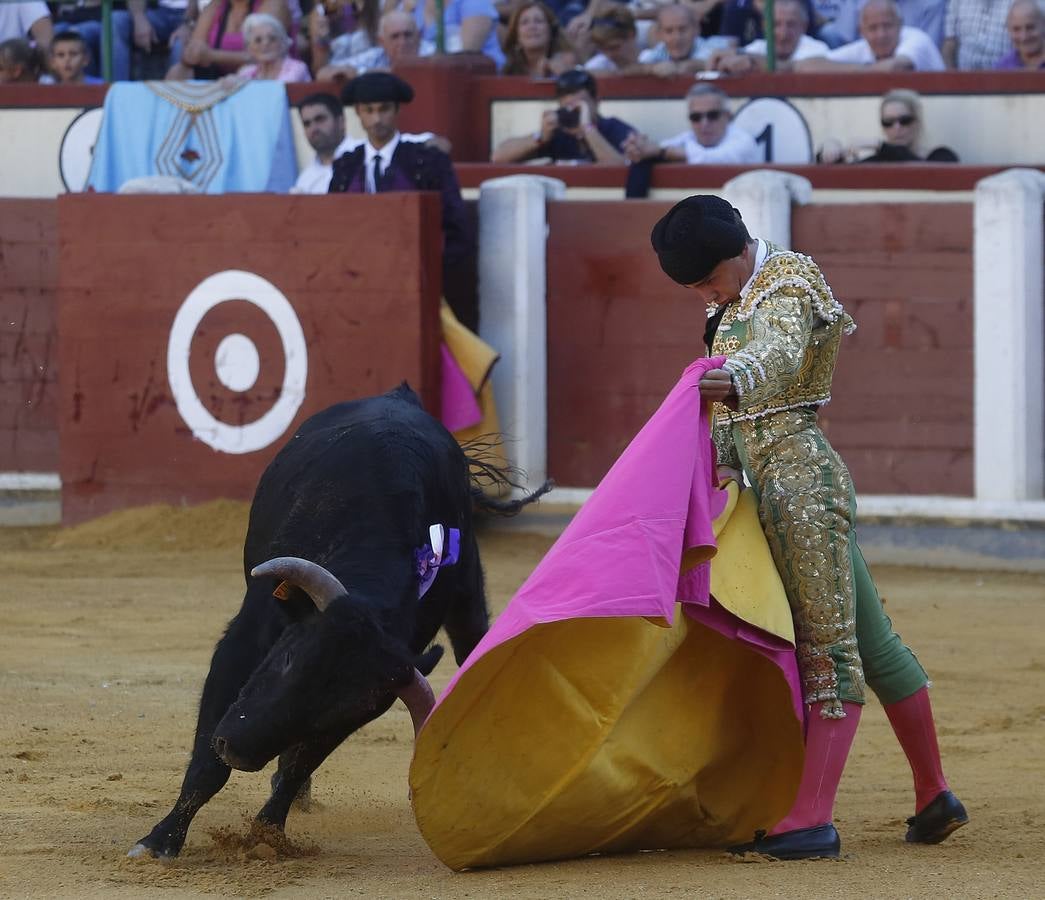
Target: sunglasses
pixel 899 120
pixel 712 116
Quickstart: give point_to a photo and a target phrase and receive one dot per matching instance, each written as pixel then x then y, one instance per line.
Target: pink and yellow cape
pixel 593 717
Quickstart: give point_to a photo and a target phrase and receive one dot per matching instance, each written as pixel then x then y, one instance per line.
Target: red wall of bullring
pixel 619 334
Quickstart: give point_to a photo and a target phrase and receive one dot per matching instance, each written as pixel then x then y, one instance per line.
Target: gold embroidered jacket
pixel 781 339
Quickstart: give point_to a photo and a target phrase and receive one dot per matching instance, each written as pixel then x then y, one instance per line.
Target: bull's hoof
pixel 140 851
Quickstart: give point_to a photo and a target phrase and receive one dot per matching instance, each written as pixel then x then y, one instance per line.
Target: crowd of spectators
pixel 339 39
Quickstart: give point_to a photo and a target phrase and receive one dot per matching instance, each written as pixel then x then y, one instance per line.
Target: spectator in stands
pixel 975 36
pixel 86 20
pixel 68 59
pixel 681 50
pixel 217 46
pixel 535 44
pixel 886 45
pixel 398 41
pixel 21 63
pixel 323 118
pixel 901 118
pixel 573 132
pixel 614 35
pixel 268 46
pixel 835 22
pixel 167 25
pixel 711 139
pixel 386 162
pixel 468 25
pixel 1026 24
pixel 340 30
pixel 30 20
pixel 926 15
pixel 790 20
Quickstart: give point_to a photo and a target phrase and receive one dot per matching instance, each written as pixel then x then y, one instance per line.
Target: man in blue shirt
pixel 469 25
pixel 573 132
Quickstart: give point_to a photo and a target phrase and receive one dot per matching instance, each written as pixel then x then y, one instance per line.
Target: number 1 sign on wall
pixel 778 128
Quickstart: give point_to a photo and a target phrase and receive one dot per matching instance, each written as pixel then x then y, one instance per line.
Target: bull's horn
pixel 311 577
pixel 419 699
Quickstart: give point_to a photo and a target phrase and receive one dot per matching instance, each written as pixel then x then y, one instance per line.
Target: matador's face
pixel 723 284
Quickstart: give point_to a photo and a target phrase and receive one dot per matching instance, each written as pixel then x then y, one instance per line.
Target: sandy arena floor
pixel 106 632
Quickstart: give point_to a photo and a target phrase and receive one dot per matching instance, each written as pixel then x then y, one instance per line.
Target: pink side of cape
pixel 459 408
pixel 621 555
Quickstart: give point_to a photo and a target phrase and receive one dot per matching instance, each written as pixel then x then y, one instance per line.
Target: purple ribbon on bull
pixel 430 558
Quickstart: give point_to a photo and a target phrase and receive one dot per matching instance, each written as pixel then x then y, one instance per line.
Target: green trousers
pixel 807 508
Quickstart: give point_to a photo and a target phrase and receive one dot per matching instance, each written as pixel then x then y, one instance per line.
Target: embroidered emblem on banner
pixel 192 148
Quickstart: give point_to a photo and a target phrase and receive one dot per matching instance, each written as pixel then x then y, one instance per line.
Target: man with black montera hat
pixel 772 315
pixel 386 162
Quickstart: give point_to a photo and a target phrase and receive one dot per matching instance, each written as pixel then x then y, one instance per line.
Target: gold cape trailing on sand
pixel 614 734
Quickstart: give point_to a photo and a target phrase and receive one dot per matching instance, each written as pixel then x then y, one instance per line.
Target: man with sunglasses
pixel 712 138
pixel 573 132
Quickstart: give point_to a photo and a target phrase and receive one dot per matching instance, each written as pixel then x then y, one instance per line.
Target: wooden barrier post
pixel 764 199
pixel 1010 337
pixel 513 229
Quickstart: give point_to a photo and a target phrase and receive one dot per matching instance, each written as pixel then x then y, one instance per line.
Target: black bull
pixel 353 492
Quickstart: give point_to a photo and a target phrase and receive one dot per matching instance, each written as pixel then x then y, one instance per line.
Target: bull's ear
pixel 293 571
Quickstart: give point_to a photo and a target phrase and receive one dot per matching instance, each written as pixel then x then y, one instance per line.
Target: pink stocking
pixel 912 721
pixel 827 747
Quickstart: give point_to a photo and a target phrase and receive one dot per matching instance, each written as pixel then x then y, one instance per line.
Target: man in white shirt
pixel 886 45
pixel 681 51
pixel 790 21
pixel 398 41
pixel 712 138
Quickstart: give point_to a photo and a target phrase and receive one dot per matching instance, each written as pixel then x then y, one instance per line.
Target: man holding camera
pixel 575 132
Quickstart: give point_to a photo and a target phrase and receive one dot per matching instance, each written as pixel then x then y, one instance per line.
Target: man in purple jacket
pixel 384 162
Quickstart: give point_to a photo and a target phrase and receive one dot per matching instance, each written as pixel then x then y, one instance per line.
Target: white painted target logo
pixel 237 362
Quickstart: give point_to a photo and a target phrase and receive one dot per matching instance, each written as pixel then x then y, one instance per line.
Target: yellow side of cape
pixel 613 734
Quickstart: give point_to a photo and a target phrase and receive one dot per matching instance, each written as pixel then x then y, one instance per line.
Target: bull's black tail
pixel 486 471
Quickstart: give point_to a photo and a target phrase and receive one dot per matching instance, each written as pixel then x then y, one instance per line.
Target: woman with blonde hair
pixel 900 113
pixel 535 44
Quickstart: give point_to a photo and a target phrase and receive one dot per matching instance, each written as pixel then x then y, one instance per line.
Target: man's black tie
pixel 377 173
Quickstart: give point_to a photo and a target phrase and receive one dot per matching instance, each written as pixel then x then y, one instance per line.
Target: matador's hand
pixel 717 387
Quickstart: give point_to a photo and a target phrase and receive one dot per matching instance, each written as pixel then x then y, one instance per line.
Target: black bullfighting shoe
pixel 937 821
pixel 818 842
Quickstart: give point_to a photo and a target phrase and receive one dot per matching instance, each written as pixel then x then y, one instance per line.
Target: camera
pixel 568 118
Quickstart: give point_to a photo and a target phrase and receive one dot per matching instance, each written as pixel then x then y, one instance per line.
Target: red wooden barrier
pixel 360 278
pixel 28 338
pixel 619 334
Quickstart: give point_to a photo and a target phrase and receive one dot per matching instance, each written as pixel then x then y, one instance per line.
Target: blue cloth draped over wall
pixel 221 137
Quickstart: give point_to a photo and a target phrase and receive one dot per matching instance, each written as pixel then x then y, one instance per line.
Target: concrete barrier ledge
pixel 933 532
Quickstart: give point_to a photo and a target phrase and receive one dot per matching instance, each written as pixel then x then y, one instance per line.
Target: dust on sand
pixel 106 632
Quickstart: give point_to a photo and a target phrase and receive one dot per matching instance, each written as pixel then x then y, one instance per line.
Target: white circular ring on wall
pixel 214 290
pixel 76 152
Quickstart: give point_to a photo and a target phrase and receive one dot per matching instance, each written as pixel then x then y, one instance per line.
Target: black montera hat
pixel 696 235
pixel 376 87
